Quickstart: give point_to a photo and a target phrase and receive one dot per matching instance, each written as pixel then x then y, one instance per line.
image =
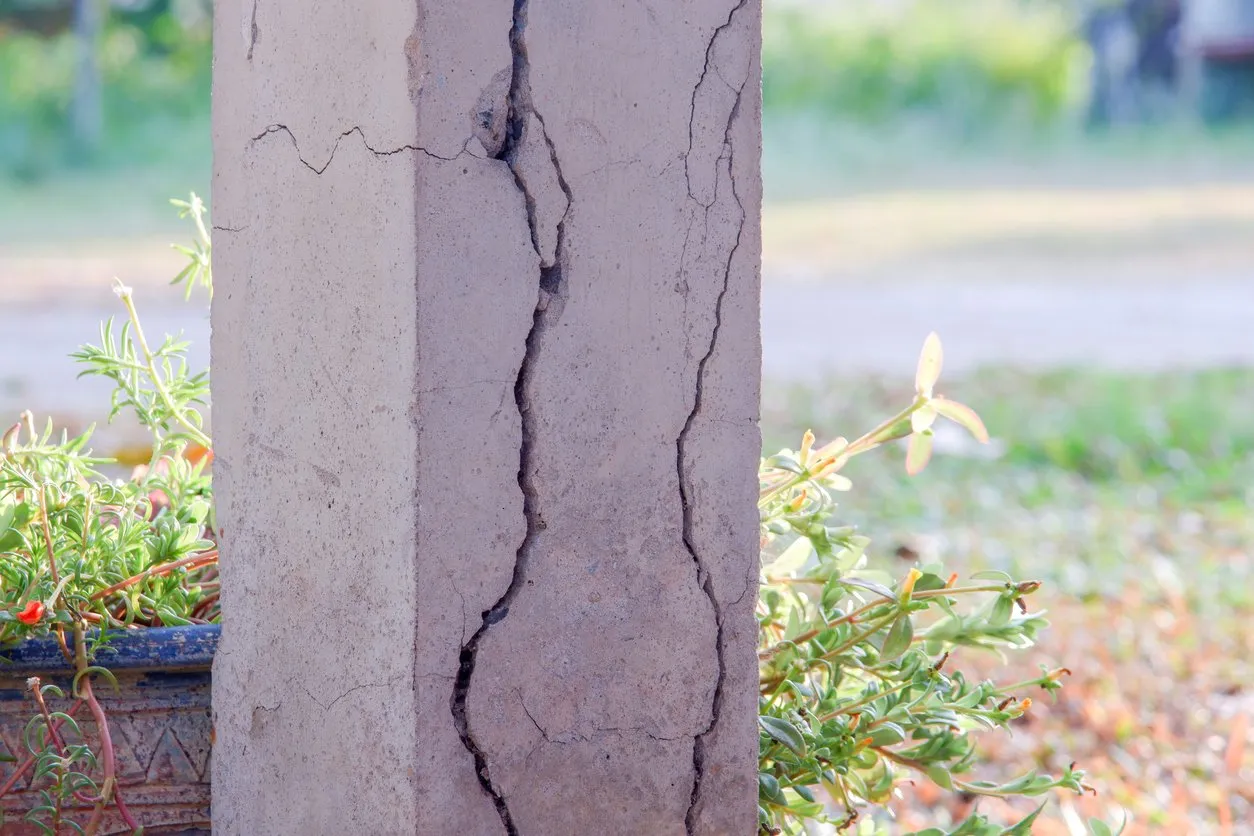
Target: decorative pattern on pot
pixel 160 720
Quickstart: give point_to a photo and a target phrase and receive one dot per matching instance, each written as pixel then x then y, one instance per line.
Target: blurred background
pixel 1063 189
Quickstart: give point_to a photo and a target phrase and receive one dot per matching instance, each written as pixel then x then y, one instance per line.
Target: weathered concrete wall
pixel 486 369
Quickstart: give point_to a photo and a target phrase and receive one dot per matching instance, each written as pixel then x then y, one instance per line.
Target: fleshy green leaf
pixel 1003 608
pixel 940 776
pixel 887 734
pixel 992 574
pixel 768 787
pixel 1100 828
pixel 899 637
pixel 930 361
pixel 919 453
pixel 962 415
pixel 1024 827
pixel 784 732
pixel 792 558
pixel 870 586
pixel 928 581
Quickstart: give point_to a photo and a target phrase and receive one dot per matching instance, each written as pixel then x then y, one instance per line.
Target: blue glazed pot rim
pixel 153 648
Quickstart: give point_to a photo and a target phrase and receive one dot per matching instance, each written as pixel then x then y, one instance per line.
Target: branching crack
pixel 551 275
pixel 570 738
pixel 327 706
pixel 705 70
pixel 336 147
pixel 703 576
pixel 543 734
pixel 549 287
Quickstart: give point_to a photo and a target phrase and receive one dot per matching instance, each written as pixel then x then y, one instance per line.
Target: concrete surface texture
pixel 486 361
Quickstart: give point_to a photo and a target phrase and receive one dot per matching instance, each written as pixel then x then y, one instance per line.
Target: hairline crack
pixel 356 129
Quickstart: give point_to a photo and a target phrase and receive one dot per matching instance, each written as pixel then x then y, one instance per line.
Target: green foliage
pixel 1193 430
pixel 968 63
pixel 106 552
pixel 153 383
pixel 81 553
pixel 965 64
pixel 857 691
pixel 198 271
pixel 61 761
pixel 36 76
pixel 1188 436
pixel 154 71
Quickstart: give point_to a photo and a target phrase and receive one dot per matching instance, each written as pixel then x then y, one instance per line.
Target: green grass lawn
pixel 1132 497
pixel 115 203
pixel 809 155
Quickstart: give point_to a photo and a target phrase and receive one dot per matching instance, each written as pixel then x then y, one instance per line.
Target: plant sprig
pixel 199 269
pixel 858 690
pixel 82 553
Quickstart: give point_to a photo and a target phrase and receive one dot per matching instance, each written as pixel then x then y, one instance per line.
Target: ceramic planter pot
pixel 159 719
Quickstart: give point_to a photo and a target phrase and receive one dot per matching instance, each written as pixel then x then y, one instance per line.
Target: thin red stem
pixel 21 770
pixel 43 516
pixel 194 562
pixel 107 758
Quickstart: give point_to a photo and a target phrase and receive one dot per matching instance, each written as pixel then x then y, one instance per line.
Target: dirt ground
pixel 1126 277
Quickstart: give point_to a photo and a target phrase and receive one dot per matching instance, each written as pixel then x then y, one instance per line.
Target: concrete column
pixel 486 361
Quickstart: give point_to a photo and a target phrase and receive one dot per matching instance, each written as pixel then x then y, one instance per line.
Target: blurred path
pixel 810 330
pixel 878 327
pixel 1152 274
pixel 1034 307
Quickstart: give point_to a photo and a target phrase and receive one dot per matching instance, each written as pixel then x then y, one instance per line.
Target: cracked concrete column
pixel 486 360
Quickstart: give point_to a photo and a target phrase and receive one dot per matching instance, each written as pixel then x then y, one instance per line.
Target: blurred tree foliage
pixel 965 67
pixel 151 66
pixel 962 63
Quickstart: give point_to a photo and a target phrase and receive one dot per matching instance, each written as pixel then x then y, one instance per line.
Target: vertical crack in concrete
pixel 703 575
pixel 549 287
pixel 253 32
pixel 705 70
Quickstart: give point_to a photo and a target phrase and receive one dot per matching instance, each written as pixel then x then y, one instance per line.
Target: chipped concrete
pixel 495 274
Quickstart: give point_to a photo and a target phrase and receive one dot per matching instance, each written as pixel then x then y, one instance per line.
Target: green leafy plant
pixel 859 688
pixel 57 761
pixel 198 271
pixel 84 557
pixel 859 691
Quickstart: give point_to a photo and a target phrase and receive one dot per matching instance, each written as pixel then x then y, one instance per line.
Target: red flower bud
pixel 33 613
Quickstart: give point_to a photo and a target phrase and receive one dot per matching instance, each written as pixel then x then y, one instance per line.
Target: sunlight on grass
pixel 115 205
pixel 90 212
